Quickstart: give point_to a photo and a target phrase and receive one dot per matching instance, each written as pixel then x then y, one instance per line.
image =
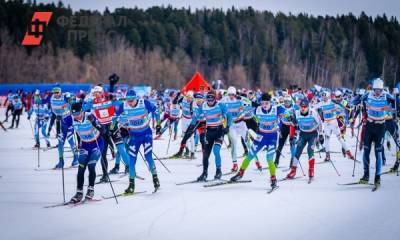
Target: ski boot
pixel 156 182
pixel 377 181
pixel 77 197
pixel 292 173
pixel 186 155
pixel 115 170
pixel 218 174
pixel 344 152
pixel 259 167
pixel 273 182
pixel 131 187
pixel 364 179
pixel 74 162
pixel 177 155
pixel 158 137
pixel 234 167
pixel 238 176
pixel 327 157
pixel 36 146
pixel 48 145
pixel 349 155
pixel 192 156
pixel 104 178
pixel 89 193
pixel 202 177
pixel 60 163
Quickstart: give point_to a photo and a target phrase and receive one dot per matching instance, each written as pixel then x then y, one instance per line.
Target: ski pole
pixel 63 183
pixel 108 177
pixel 355 154
pixel 333 165
pixel 145 163
pixel 301 167
pixel 161 162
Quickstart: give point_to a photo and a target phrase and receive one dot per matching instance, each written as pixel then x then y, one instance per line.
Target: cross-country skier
pixel 216 115
pixel 136 118
pixel 238 129
pixel 103 106
pixel 328 113
pixel 309 124
pixel 17 110
pixel 376 104
pixel 61 109
pixel 267 134
pixel 91 143
pixel 41 118
pixel 286 129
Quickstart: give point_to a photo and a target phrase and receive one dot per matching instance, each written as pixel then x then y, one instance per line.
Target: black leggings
pixel 81 175
pixel 306 138
pixel 109 137
pixel 285 130
pixel 213 136
pixel 374 132
pixel 15 117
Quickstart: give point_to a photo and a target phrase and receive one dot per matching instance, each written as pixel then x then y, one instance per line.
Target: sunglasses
pixel 76 113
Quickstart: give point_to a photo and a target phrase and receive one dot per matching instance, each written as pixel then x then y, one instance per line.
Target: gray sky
pixel 314 7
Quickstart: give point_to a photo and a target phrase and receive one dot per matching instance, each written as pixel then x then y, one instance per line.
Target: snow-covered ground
pixel 297 210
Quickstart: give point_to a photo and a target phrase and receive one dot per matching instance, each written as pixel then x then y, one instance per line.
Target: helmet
pixel 231 90
pixel 131 95
pixel 37 92
pixel 304 102
pixel 56 90
pixel 377 84
pixel 98 89
pixel 338 93
pixel 76 107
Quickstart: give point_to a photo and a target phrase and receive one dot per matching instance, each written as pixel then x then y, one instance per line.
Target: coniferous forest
pixel 164 46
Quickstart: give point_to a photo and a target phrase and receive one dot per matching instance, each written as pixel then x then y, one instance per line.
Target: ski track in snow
pixel 297 210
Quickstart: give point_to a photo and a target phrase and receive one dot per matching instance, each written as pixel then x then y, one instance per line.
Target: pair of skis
pixel 374 186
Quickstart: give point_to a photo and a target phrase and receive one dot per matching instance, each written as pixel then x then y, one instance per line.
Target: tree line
pixel 164 46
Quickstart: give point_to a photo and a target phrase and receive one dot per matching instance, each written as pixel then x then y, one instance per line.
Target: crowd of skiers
pixel 122 121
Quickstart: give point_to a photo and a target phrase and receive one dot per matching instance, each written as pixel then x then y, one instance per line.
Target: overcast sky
pixel 314 7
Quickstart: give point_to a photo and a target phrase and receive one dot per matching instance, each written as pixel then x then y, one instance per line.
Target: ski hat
pixel 198 96
pixel 56 90
pixel 76 107
pixel 231 90
pixel 189 94
pixel 377 84
pixel 98 89
pixel 131 95
pixel 338 93
pixel 211 95
pixel 265 97
pixel 304 102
